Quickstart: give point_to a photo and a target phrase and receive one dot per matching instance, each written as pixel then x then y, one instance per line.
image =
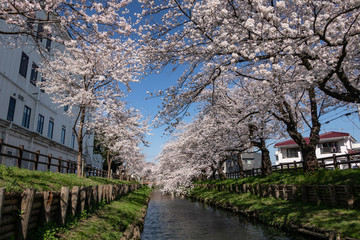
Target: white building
pixel 330 143
pixel 27 115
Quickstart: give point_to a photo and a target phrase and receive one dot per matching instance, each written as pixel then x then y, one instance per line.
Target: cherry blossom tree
pixel 61 20
pixel 300 47
pixel 86 76
pixel 120 130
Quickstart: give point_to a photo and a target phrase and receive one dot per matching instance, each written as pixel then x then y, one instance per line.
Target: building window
pixel 329 147
pixel 66 108
pixel 73 140
pixel 26 117
pixel 292 152
pixel 41 87
pixel 63 131
pixel 40 124
pixel 24 64
pixel 40 31
pixel 34 74
pixel 11 109
pixel 50 129
pixel 48 42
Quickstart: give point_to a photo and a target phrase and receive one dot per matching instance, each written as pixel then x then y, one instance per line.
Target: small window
pixel 42 88
pixel 30 23
pixel 329 147
pixel 292 152
pixel 26 117
pixel 40 31
pixel 48 42
pixel 34 74
pixel 24 64
pixel 40 125
pixel 63 131
pixel 66 108
pixel 50 129
pixel 11 109
pixel 73 140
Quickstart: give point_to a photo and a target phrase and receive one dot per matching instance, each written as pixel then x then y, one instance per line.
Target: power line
pixel 342 115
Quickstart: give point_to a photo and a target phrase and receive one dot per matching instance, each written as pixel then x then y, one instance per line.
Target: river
pixel 181 219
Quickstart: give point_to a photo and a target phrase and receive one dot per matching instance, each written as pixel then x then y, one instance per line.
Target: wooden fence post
pixel 67 166
pixel 37 156
pixel 2 198
pixel 48 198
pixel 349 196
pixel 74 199
pixel 1 144
pixel 295 167
pixel 317 194
pixel 284 190
pixel 20 155
pixel 304 194
pixel 95 194
pixel 82 198
pixel 335 161
pixel 293 192
pixel 26 206
pixel 88 191
pixel 59 164
pixel 100 192
pixel 348 161
pixel 49 162
pixel 277 191
pixel 332 195
pixel 64 200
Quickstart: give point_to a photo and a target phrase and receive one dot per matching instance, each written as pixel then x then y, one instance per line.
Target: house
pixel 27 115
pixel 250 160
pixel 330 143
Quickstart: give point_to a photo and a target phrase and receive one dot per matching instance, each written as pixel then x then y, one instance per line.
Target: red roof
pixel 322 136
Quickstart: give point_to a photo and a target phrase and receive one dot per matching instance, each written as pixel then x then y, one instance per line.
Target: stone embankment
pixel 133 232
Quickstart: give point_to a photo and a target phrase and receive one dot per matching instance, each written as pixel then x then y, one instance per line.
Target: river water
pixel 181 219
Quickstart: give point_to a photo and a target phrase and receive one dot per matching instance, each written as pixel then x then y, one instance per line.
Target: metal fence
pixel 22 158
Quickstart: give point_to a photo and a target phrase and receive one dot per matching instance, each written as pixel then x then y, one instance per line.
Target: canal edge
pixel 133 231
pixel 306 230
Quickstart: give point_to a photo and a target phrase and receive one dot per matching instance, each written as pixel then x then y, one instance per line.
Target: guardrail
pixel 42 162
pixel 344 161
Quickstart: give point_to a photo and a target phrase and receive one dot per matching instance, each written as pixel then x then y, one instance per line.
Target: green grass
pixel 111 221
pixel 320 177
pixel 283 213
pixel 16 180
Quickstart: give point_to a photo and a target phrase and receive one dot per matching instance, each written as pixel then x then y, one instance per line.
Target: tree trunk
pixel 259 142
pixel 309 157
pixel 266 166
pixel 222 175
pixel 80 138
pixel 240 164
pixel 307 149
pixel 213 174
pixel 109 161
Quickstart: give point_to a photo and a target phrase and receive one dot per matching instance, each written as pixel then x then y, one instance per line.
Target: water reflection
pixel 176 218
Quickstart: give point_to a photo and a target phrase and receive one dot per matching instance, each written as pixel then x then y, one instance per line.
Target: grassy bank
pixel 285 214
pixel 320 177
pixel 108 222
pixel 16 180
